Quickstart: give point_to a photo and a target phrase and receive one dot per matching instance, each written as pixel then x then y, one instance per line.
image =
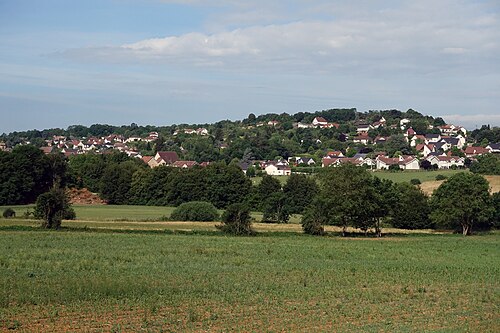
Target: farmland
pixel 152 278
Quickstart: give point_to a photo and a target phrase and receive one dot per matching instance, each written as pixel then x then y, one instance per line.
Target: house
pixel 335 153
pixel 319 121
pixel 133 139
pixel 166 157
pixel 403 122
pixel 362 138
pixel 304 160
pixel 380 140
pixel 431 138
pixel 475 151
pixel 426 149
pixel 363 128
pixel 202 131
pixel 184 164
pixel 416 139
pixel 273 123
pixel 302 125
pixel 380 123
pixel 410 132
pixel 446 162
pixel 494 148
pixel 404 162
pixel 278 170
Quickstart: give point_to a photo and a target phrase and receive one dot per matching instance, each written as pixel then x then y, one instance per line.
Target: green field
pixel 406 176
pixel 153 281
pixel 398 177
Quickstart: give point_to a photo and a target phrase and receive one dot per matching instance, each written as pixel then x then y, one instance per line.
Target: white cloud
pixel 374 36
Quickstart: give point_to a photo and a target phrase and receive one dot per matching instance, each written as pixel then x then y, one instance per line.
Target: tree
pixel 300 191
pixel 411 208
pixel 344 193
pixel 488 164
pixel 461 202
pixel 52 207
pixel 236 220
pixel 267 186
pixel 276 208
pixel 25 173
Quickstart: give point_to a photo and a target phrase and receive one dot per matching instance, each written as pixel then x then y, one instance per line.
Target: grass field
pixel 152 281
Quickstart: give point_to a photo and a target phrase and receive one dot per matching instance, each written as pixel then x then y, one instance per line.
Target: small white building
pixel 278 170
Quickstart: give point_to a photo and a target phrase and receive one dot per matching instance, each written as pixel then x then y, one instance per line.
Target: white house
pixel 319 121
pixel 446 162
pixel 404 162
pixel 278 170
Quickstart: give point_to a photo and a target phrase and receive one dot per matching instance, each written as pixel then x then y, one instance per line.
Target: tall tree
pixel 411 209
pixel 461 202
pixel 299 191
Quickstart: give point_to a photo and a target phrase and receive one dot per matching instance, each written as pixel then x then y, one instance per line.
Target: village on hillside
pixel 363 143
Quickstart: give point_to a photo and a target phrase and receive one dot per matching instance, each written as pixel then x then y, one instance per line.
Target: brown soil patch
pixel 84 197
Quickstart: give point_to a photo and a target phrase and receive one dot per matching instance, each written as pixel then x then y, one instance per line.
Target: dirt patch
pixel 84 197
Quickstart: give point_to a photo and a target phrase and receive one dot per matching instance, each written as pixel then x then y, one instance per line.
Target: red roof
pixel 476 150
pixel 320 120
pixel 168 156
pixel 184 164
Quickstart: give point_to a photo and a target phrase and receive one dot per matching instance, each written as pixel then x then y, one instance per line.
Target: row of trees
pixel 351 197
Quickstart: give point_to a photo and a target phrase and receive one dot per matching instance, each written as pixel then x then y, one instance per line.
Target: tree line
pixel 346 196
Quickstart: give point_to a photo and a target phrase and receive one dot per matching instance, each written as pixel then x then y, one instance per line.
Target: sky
pixel 163 62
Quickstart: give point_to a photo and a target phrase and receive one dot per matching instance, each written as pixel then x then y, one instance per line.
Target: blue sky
pixel 191 61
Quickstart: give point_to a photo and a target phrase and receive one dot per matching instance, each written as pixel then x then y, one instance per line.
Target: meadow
pixel 91 279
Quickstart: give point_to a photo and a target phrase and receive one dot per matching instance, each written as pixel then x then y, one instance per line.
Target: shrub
pixel 52 207
pixel 441 177
pixel 394 168
pixel 195 211
pixel 236 220
pixel 415 181
pixel 8 213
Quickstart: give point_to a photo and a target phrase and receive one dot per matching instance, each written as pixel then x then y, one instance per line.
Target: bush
pixel 415 181
pixel 441 177
pixel 8 213
pixel 52 207
pixel 394 168
pixel 195 211
pixel 236 220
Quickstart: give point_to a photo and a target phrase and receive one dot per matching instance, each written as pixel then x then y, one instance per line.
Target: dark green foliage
pixel 24 174
pixel 195 211
pixel 300 191
pixel 415 181
pixel 276 208
pixel 264 189
pixel 394 168
pixel 344 193
pixel 226 184
pixel 488 164
pixel 8 213
pixel 236 220
pixel 411 208
pixel 495 201
pixel 314 218
pixel 52 207
pixel 441 177
pixel 116 181
pixel 462 202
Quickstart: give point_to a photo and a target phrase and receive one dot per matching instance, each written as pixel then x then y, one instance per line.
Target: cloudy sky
pixel 193 61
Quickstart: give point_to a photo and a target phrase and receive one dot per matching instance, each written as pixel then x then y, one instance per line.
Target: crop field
pixel 152 280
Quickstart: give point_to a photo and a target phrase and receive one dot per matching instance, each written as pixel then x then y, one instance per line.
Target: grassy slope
pixel 130 282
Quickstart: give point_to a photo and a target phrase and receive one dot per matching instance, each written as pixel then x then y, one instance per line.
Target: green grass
pixel 397 177
pixel 115 213
pixel 406 176
pixel 110 281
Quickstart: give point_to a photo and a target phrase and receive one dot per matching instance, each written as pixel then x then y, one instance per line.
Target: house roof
pixel 396 160
pixel 182 164
pixel 168 156
pixel 320 120
pixel 494 146
pixel 146 159
pixel 476 150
